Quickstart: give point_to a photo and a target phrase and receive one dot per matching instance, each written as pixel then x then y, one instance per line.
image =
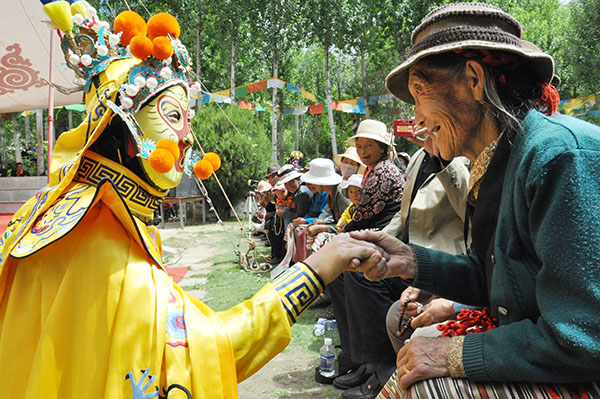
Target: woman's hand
pixel 315 229
pixel 422 358
pixel 299 221
pixel 344 253
pixel 342 227
pixel 436 311
pixel 398 258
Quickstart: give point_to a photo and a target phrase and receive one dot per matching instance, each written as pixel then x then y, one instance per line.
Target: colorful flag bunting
pixel 275 83
pixel 290 86
pixel 258 86
pixel 246 105
pixel 241 92
pixel 316 109
pixel 308 95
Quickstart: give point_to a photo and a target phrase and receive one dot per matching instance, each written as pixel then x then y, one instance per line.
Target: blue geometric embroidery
pixel 297 289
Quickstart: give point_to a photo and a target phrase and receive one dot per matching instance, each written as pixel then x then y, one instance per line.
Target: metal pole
pixel 51 104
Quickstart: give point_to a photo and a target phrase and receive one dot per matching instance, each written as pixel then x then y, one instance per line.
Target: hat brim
pixel 331 180
pixel 352 140
pixel 290 176
pixel 397 80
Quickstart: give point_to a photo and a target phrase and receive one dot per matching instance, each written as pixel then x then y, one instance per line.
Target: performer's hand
pixel 398 258
pixel 344 253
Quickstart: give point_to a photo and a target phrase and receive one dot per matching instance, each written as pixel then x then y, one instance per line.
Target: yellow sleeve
pixel 259 328
pixel 346 216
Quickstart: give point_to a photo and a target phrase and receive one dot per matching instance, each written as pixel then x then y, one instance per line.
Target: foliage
pixel 240 140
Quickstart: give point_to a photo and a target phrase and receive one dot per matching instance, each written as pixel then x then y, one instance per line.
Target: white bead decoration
pixel 139 81
pixel 102 50
pixel 131 90
pixel 86 60
pixel 73 58
pixel 113 39
pixel 126 102
pixel 166 73
pixel 91 12
pixel 151 82
pixel 78 19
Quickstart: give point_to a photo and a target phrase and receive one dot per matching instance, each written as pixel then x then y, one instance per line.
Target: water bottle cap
pixel 327 341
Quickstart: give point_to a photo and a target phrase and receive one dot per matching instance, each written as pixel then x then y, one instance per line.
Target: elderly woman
pixel 383 183
pixel 534 209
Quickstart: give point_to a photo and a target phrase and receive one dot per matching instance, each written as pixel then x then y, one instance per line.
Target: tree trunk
pixel 363 67
pixel 3 163
pixel 17 139
pixel 302 131
pixel 39 130
pixel 281 132
pixel 297 128
pixel 70 118
pixel 198 50
pixel 232 75
pixel 274 104
pixel 27 130
pixel 328 88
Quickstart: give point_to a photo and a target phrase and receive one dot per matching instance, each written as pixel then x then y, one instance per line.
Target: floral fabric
pixel 384 184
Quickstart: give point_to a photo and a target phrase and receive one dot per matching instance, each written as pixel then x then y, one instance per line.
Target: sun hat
pixel 354 180
pixel 263 186
pixel 405 156
pixel 279 187
pixel 271 170
pixel 287 173
pixel 322 172
pixel 371 129
pixel 458 26
pixel 351 154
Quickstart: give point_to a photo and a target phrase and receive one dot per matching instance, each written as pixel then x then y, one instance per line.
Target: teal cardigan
pixel 546 276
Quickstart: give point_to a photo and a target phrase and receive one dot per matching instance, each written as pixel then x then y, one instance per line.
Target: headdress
pixel 122 69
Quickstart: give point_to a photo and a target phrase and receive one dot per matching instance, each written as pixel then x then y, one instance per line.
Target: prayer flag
pixel 257 86
pixel 241 92
pixel 316 109
pixel 308 95
pixel 246 105
pixel 290 86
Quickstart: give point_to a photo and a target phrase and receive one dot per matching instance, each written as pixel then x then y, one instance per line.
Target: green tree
pixel 240 140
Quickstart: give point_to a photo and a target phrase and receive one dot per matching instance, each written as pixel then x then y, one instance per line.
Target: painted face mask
pixel 166 117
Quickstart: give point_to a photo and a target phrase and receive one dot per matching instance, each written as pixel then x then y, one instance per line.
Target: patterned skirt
pixel 461 388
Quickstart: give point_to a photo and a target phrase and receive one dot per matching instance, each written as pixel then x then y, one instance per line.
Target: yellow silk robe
pixel 86 310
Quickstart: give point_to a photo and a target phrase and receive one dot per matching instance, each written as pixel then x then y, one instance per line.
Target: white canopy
pixel 25 59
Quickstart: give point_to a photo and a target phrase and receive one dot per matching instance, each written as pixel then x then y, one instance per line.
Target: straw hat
pixel 351 154
pixel 459 26
pixel 263 187
pixel 322 172
pixel 354 180
pixel 287 173
pixel 371 129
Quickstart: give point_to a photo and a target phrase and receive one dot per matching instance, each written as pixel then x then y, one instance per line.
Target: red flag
pixel 257 86
pixel 316 109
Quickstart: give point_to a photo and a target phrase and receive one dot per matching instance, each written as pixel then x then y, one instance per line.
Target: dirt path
pixel 290 375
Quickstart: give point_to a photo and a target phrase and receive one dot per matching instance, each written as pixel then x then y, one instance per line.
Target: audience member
pixel 18 171
pixel 349 163
pixel 383 183
pixel 352 192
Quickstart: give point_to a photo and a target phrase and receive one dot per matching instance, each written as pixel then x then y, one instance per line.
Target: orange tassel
pixel 550 98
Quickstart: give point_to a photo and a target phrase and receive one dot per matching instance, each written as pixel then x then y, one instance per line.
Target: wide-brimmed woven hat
pixel 287 173
pixel 354 180
pixel 371 129
pixel 322 172
pixel 459 26
pixel 351 154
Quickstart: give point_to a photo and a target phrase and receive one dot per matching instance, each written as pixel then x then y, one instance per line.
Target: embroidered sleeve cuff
pixel 297 287
pixel 454 357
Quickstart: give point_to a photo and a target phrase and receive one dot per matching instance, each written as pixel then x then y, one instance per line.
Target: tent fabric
pixel 25 60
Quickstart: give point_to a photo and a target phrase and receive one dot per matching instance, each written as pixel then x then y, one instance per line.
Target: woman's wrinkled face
pixel 166 117
pixel 369 151
pixel 443 106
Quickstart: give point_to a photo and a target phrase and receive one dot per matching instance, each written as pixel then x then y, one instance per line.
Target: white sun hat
pixel 354 180
pixel 322 172
pixel 371 129
pixel 351 154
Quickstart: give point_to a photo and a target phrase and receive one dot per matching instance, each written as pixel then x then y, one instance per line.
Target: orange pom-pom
pixel 131 24
pixel 170 146
pixel 162 48
pixel 203 169
pixel 163 24
pixel 162 160
pixel 140 47
pixel 214 159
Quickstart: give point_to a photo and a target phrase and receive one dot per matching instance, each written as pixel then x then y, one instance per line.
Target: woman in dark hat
pixel 534 205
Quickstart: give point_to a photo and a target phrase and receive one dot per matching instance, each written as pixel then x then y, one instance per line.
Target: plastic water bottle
pixel 320 327
pixel 327 366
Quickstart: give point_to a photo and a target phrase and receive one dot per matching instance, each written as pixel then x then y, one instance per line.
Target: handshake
pixel 374 253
